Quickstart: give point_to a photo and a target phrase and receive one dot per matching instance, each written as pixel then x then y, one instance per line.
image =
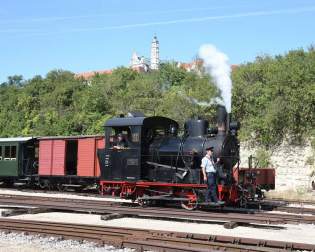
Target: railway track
pixel 268 204
pixel 298 202
pixel 296 210
pixel 141 239
pixel 131 210
pixel 291 206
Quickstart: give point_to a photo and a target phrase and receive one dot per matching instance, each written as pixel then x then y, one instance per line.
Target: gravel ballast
pixel 14 242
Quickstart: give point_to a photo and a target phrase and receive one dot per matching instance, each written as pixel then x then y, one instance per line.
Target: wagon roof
pixel 69 137
pixel 15 139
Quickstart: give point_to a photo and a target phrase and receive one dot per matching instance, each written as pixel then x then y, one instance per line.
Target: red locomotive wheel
pixel 143 203
pixel 192 202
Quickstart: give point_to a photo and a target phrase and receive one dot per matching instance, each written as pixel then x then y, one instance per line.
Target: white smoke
pixel 216 64
pixel 216 100
pixel 213 101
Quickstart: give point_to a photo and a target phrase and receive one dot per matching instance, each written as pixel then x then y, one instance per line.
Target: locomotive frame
pixel 137 173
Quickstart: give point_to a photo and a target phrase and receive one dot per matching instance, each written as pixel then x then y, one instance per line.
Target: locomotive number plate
pixel 132 161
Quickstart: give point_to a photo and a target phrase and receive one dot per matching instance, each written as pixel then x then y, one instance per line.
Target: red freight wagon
pixel 264 177
pixel 69 161
pixel 88 164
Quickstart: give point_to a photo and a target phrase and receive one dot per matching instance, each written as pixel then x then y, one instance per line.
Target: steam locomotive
pixel 158 165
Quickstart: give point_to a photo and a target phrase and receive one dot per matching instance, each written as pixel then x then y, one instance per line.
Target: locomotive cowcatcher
pixel 157 165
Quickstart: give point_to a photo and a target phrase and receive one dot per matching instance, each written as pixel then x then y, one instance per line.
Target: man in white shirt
pixel 121 142
pixel 209 175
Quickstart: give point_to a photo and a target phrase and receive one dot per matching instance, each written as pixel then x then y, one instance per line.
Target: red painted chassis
pixel 141 189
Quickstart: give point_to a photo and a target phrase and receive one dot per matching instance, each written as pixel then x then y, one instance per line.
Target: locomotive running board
pixel 212 204
pixel 162 198
pixel 166 166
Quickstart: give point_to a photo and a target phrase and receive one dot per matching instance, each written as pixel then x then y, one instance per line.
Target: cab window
pixel 124 131
pixel 159 132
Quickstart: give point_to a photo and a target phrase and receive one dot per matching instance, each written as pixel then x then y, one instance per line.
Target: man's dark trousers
pixel 211 194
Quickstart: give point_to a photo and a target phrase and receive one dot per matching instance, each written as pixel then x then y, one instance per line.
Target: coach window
pixel 0 153
pixel 13 153
pixel 7 152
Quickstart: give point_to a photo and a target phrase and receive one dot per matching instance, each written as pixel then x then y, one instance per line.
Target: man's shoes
pixel 215 203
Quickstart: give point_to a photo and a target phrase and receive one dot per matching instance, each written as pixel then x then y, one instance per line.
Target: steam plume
pixel 216 64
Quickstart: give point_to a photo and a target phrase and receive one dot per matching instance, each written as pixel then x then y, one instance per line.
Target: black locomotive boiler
pixel 156 164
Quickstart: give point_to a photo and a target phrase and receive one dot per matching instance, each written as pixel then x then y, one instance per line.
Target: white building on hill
pixel 139 63
pixel 155 54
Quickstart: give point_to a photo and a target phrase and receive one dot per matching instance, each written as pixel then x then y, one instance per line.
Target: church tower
pixel 155 54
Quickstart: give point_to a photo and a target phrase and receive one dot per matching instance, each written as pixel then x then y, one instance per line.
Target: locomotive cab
pixel 122 161
pixel 127 161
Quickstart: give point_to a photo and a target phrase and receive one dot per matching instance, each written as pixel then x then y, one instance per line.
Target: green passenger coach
pixel 17 157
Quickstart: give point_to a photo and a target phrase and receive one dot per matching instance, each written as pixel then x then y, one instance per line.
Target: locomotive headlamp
pixel 173 130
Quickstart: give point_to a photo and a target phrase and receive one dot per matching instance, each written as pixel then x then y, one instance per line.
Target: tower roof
pixel 155 40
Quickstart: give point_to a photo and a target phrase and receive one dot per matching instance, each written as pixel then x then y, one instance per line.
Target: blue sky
pixel 38 36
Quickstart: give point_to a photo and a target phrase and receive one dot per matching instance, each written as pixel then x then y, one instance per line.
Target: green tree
pixel 274 97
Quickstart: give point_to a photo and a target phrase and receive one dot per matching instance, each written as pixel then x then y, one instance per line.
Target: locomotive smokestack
pixel 222 119
pixel 196 128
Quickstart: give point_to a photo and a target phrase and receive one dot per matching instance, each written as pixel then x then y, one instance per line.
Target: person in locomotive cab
pixel 121 142
pixel 208 166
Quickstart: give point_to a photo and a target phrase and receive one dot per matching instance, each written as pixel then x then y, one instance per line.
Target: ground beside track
pixel 292 195
pixel 303 233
